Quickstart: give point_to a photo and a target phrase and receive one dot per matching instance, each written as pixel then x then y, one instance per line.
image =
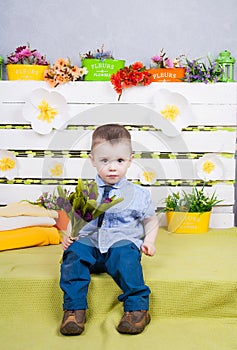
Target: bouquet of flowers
pixel 133 75
pixel 199 71
pixel 62 71
pixel 81 206
pixel 25 55
pixel 51 201
pixel 162 61
pixel 99 54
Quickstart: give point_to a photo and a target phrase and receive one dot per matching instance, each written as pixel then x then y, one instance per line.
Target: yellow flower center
pixel 47 113
pixel 149 176
pixel 57 170
pixel 170 112
pixel 7 164
pixel 208 166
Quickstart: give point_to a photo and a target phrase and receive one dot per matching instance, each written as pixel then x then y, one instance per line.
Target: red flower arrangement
pixel 133 75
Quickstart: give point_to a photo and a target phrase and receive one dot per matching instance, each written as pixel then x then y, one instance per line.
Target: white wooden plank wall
pixel 95 103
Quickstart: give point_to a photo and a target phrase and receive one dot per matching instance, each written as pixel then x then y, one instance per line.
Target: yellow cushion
pixel 29 237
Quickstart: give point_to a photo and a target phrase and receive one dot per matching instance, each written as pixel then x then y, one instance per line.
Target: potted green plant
pixel 165 69
pixel 26 64
pixel 100 64
pixel 189 212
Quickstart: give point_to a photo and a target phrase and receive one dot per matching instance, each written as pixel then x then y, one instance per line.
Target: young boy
pixel 115 245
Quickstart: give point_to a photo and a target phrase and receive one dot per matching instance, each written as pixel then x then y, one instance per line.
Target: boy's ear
pixel 92 159
pixel 131 159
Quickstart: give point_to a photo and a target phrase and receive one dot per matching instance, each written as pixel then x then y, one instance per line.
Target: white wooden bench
pixel 95 103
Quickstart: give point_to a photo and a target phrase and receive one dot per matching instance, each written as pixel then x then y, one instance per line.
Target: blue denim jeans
pixel 122 262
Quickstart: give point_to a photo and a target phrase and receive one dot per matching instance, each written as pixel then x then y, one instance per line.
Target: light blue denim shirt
pixel 125 219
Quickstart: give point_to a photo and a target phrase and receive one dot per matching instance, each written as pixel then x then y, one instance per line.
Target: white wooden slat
pixel 219 221
pixel 219 209
pixel 103 92
pixel 13 193
pixel 80 167
pixel 134 114
pixel 218 141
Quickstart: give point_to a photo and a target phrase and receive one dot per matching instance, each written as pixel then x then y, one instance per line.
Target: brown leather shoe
pixel 134 322
pixel 73 322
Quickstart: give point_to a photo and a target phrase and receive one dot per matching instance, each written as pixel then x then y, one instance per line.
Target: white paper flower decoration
pixel 46 111
pixel 148 176
pixel 8 165
pixel 209 167
pixel 173 112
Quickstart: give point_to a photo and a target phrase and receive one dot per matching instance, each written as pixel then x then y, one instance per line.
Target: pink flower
pixel 156 58
pixel 168 63
pixel 24 55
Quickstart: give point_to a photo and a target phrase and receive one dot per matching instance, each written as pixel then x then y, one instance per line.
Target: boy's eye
pixel 104 160
pixel 120 160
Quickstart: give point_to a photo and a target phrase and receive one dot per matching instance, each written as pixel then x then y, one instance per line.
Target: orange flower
pixel 137 65
pixel 62 72
pixel 135 74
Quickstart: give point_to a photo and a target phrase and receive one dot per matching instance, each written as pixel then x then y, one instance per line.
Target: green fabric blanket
pixel 193 306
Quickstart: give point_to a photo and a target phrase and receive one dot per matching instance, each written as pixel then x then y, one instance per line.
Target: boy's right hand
pixel 67 241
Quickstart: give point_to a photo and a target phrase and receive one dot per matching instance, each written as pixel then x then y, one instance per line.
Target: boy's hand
pixel 148 248
pixel 67 241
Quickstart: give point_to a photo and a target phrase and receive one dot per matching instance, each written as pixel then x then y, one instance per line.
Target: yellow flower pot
pixel 184 222
pixel 25 72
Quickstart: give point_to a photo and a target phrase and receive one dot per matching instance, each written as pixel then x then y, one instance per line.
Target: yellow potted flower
pixel 26 64
pixel 189 212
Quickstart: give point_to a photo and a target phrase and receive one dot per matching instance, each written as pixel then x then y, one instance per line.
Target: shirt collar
pixel 101 183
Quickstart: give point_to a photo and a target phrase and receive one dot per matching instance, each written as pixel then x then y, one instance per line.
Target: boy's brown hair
pixel 113 133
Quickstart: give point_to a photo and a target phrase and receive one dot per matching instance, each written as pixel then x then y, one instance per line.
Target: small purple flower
pixel 67 207
pixel 88 217
pixel 77 214
pixel 107 200
pixel 60 202
pixel 92 195
pixel 85 193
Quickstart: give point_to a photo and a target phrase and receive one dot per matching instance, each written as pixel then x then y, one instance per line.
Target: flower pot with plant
pixel 199 71
pixel 54 201
pixel 26 64
pixel 100 64
pixel 164 69
pixel 189 212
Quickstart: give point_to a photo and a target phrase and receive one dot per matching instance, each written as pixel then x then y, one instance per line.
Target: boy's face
pixel 111 160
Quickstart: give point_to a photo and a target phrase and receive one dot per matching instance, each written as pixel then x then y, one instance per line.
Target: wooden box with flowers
pixel 26 64
pixel 100 65
pixel 164 69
